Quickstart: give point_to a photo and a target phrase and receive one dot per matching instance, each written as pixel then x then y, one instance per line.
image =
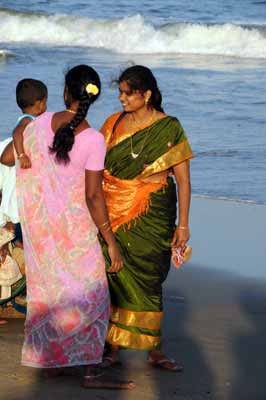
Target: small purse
pixel 180 255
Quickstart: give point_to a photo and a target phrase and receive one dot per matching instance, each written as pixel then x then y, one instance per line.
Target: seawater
pixel 209 58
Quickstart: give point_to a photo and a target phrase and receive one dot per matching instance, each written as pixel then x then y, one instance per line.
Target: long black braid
pixel 76 81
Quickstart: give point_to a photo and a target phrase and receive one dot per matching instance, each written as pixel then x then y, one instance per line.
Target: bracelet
pixel 21 155
pixel 183 227
pixel 104 224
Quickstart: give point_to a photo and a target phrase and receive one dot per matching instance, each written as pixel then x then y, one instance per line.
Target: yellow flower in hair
pixel 92 89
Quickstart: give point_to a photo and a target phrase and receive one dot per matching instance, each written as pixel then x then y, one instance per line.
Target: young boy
pixel 31 96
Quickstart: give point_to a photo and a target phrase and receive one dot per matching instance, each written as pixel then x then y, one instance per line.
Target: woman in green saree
pixel 145 148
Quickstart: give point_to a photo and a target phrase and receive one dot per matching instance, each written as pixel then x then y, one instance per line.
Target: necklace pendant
pixel 134 155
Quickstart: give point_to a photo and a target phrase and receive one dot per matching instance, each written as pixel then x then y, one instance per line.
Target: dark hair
pixel 142 79
pixel 28 91
pixel 76 81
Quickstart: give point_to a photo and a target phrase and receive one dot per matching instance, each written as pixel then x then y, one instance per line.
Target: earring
pixel 147 100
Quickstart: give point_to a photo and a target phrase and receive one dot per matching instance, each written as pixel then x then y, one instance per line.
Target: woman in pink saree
pixel 62 207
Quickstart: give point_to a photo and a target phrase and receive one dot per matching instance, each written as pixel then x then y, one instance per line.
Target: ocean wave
pixel 259 3
pixel 5 54
pixel 133 35
pixel 218 153
pixel 256 154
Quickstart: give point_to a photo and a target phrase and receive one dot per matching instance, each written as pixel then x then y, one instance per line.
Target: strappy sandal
pixel 166 364
pixel 95 383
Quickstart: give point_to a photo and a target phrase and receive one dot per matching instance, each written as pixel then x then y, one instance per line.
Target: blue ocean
pixel 209 57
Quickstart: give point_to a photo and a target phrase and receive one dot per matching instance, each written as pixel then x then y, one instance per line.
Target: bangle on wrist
pixel 106 223
pixel 21 155
pixel 183 227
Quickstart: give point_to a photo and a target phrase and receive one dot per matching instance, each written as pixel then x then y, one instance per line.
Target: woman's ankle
pixel 115 348
pixel 155 353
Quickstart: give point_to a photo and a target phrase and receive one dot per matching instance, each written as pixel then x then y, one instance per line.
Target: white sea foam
pixel 5 53
pixel 133 35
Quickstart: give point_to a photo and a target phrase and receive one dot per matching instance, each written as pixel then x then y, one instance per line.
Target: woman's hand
pixel 116 258
pixel 25 161
pixel 181 237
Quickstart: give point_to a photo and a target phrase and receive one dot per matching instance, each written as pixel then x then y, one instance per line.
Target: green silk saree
pixel 143 218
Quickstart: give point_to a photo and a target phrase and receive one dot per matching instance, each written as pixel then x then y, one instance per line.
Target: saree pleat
pixel 144 239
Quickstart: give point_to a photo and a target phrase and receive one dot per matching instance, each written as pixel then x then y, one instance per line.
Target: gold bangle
pixel 21 155
pixel 183 227
pixel 104 224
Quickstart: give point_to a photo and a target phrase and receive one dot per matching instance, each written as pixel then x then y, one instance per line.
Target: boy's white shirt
pixel 9 206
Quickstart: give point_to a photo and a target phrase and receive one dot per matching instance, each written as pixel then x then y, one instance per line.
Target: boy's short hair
pixel 28 91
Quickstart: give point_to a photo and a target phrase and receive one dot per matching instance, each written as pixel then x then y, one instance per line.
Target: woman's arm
pixel 97 207
pixel 182 176
pixel 8 157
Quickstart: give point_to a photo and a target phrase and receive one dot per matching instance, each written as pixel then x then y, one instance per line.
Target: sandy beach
pixel 215 321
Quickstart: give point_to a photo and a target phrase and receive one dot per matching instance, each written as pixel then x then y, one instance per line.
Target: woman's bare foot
pixel 94 379
pixel 158 360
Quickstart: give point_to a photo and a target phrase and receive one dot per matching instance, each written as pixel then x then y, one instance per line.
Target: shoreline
pixel 227 199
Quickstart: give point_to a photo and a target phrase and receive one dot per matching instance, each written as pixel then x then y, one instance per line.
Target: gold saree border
pixel 121 337
pixel 174 156
pixel 116 139
pixel 140 319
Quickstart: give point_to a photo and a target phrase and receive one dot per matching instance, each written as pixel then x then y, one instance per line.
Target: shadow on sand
pixel 249 347
pixel 196 382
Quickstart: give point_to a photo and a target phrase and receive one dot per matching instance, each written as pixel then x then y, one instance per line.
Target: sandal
pixel 93 373
pixel 166 364
pixel 94 380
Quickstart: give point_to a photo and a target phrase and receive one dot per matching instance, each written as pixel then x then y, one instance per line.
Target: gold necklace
pixel 71 111
pixel 133 154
